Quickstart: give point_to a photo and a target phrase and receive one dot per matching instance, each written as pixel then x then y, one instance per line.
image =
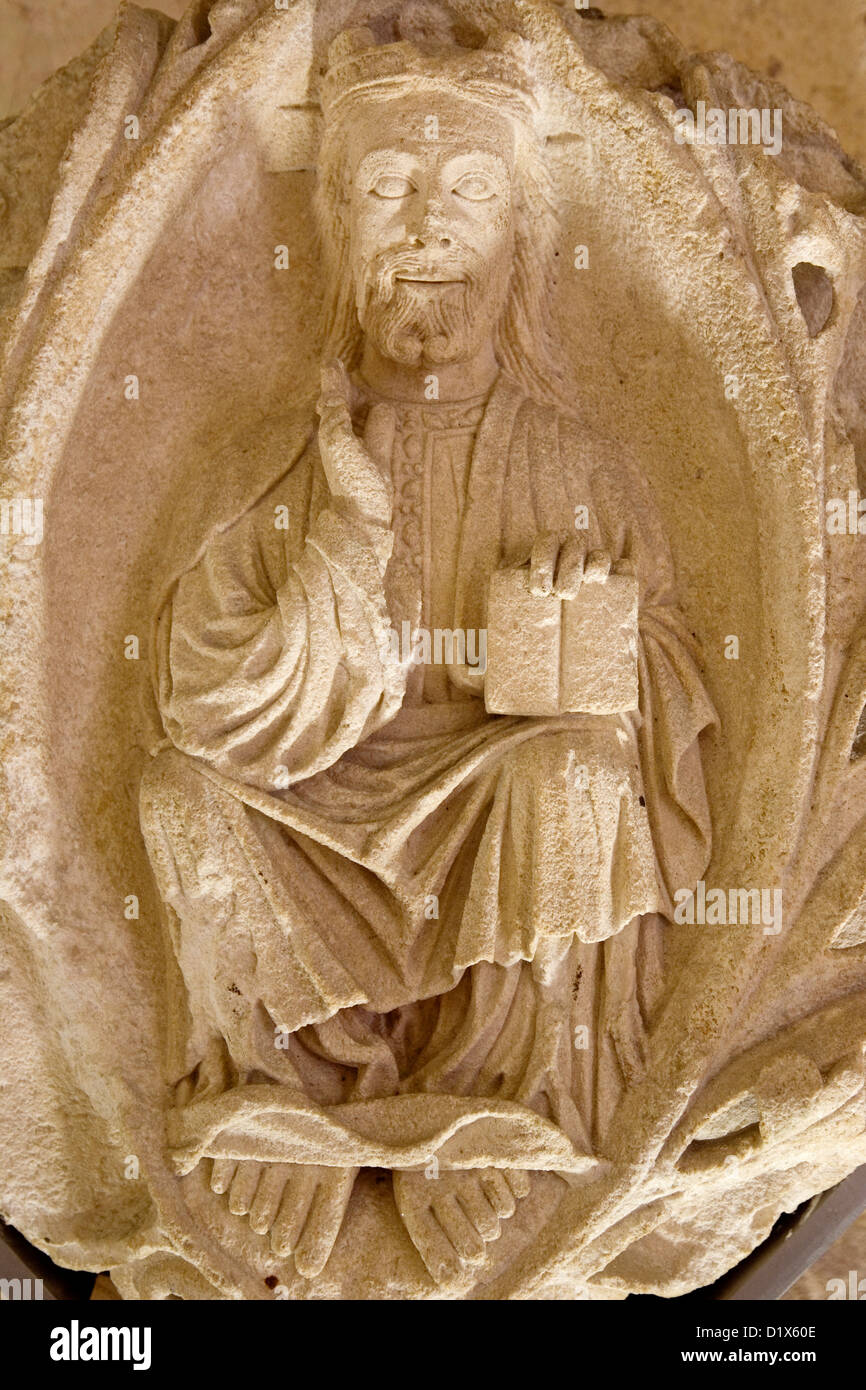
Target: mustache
pixel 461 263
pixel 413 326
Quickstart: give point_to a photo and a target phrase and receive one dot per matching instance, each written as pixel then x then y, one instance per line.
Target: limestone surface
pixel 434 667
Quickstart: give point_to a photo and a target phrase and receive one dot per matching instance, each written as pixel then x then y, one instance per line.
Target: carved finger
pixel 542 564
pixel 498 1192
pixel 518 1181
pixel 569 570
pixel 268 1196
pixel 597 567
pixel 297 1196
pixel 333 405
pixel 458 1228
pixel 379 433
pixel 243 1188
pixel 336 387
pixel 324 1219
pixel 476 1204
pixel 222 1172
pixel 352 473
pixel 334 416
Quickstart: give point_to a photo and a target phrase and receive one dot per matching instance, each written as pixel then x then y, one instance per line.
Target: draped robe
pixel 391 909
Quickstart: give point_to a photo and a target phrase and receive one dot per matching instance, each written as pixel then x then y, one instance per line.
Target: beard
pixel 413 324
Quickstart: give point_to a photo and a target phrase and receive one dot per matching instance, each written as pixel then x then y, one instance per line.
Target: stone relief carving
pixel 435 859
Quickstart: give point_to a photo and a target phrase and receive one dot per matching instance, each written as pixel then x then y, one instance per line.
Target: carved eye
pixel 392 186
pixel 475 188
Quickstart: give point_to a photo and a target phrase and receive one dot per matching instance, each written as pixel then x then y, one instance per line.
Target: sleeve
pixel 674 706
pixel 272 651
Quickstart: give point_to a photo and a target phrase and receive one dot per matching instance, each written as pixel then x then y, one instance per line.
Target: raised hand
pixel 354 475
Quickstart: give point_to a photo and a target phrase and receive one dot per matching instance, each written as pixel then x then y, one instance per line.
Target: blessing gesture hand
pixel 354 475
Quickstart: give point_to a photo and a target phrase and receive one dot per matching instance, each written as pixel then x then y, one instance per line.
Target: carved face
pixel 432 230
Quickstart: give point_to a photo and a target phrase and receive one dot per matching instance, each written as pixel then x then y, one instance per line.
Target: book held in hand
pixel 548 655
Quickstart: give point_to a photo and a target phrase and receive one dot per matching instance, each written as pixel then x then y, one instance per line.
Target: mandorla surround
pixel 434 852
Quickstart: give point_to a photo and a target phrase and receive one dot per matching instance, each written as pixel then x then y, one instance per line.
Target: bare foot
pixel 300 1204
pixel 452 1218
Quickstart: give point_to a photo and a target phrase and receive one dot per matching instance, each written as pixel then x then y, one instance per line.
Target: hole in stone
pixel 858 747
pixel 200 20
pixel 814 290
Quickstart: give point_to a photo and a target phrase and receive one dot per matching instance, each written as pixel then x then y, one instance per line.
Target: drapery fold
pixel 329 852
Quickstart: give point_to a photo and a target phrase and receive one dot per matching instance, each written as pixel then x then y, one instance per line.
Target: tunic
pixel 357 858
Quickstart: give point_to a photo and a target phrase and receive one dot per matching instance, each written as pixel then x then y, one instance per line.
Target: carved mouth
pixel 441 280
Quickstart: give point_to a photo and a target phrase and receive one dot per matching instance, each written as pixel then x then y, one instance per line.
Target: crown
pixel 499 73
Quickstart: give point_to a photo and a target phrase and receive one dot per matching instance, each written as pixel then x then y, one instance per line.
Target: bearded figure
pixel 415 932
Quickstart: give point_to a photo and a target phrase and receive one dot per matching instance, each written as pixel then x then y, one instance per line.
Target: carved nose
pixel 431 238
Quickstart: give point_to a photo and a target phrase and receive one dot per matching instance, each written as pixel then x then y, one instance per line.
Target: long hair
pixel 525 341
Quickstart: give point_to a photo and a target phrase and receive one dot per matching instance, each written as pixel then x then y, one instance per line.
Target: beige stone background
pixel 816 48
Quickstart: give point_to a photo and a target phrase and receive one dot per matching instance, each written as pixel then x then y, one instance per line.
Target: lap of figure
pixel 327 973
